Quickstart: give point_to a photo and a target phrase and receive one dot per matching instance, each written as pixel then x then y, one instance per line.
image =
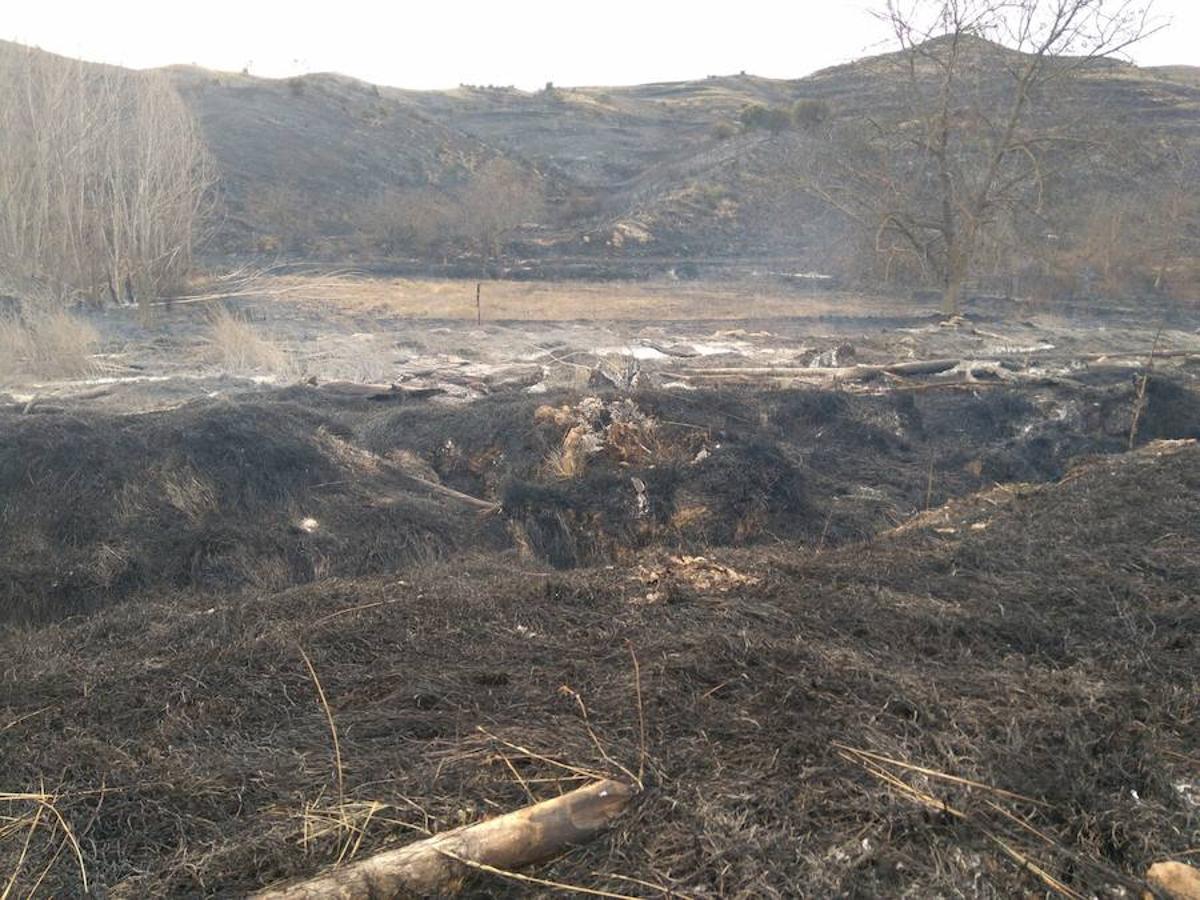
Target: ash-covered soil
pixel 268 490
pixel 543 336
pixel 920 635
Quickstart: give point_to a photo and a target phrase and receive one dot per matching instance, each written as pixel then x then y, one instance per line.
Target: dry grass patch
pixel 32 821
pixel 549 301
pixel 189 491
pixel 46 345
pixel 237 347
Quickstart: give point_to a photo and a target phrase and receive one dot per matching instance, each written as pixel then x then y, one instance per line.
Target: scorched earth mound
pixel 925 643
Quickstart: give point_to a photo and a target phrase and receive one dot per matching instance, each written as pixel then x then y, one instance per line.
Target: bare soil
pixel 927 635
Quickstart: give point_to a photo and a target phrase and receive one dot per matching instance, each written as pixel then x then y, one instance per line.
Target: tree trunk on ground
pixel 909 367
pixel 437 866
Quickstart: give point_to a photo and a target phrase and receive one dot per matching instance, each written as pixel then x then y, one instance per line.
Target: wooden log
pixel 433 487
pixel 679 352
pixel 921 367
pixel 780 371
pixel 380 393
pixel 1175 880
pixel 724 381
pixel 845 373
pixel 1131 357
pixel 437 866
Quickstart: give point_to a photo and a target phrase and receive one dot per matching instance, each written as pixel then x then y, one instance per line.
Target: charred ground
pixel 213 495
pixel 980 580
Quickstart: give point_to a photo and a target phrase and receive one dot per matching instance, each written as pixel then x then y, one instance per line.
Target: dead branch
pixel 842 373
pixel 433 487
pixel 437 866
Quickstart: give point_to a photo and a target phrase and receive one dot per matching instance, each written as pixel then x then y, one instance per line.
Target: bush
pixel 406 220
pixel 807 113
pixel 723 130
pixel 768 118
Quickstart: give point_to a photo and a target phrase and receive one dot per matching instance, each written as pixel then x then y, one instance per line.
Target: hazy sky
pixel 522 42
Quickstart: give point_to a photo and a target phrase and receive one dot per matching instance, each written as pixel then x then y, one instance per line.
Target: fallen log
pixel 845 373
pixel 780 371
pixel 379 393
pixel 1176 880
pixel 676 350
pixel 919 367
pixel 723 381
pixel 433 487
pixel 1132 358
pixel 437 866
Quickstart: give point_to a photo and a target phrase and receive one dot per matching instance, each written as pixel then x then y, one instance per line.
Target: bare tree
pixel 407 220
pixel 969 133
pixel 289 216
pixel 480 214
pixel 1135 229
pixel 1172 226
pixel 499 197
pixel 103 176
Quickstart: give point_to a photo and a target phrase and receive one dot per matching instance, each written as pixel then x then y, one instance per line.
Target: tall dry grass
pixel 46 344
pixel 237 347
pixel 34 820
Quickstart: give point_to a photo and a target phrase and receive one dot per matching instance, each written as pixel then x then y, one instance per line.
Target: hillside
pixel 658 171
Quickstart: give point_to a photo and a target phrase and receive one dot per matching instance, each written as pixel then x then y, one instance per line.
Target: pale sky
pixel 521 42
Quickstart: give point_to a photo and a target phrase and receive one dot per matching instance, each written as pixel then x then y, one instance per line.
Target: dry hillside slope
pixel 663 171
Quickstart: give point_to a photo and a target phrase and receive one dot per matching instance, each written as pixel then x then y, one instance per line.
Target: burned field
pixel 925 641
pixel 739 487
pixel 273 489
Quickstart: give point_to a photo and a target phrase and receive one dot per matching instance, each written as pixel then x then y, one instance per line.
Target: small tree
pixel 406 220
pixel 499 197
pixel 967 137
pixel 1172 235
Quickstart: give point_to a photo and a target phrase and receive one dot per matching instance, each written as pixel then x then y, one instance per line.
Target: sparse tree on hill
pixel 407 220
pixel 1142 232
pixel 967 138
pixel 499 197
pixel 1172 234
